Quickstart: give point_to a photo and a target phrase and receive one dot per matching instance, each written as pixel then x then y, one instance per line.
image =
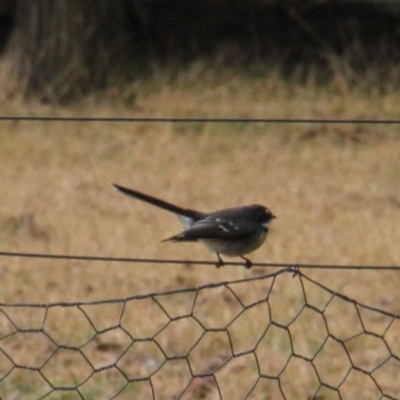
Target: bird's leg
pixel 248 264
pixel 295 268
pixel 220 262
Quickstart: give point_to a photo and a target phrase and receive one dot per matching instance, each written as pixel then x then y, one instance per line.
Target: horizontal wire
pixel 200 120
pixel 192 262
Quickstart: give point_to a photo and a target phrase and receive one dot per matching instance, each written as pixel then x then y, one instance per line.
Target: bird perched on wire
pixel 232 232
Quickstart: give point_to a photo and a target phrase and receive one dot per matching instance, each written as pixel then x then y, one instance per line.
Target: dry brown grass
pixel 335 189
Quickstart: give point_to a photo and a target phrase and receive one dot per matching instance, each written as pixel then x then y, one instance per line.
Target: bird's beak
pixel 274 216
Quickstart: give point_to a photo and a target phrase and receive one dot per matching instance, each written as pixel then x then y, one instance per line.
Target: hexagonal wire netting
pixel 270 336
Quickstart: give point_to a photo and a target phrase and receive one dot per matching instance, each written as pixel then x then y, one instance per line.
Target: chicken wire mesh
pixel 265 337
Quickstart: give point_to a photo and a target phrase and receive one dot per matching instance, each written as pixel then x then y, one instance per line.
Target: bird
pixel 232 232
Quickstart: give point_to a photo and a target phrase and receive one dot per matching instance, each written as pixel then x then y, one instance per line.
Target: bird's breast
pixel 236 247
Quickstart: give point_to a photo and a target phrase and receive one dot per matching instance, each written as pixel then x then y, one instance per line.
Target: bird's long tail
pixel 192 214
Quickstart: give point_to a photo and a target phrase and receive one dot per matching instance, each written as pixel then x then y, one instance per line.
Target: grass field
pixel 334 188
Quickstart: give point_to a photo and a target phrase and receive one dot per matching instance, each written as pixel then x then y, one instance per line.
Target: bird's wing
pixel 211 229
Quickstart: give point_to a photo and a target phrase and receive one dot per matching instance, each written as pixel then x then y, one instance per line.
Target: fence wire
pixel 202 120
pixel 265 337
pixel 136 260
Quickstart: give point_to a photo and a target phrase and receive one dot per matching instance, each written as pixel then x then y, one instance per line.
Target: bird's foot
pixel 295 269
pixel 220 263
pixel 248 264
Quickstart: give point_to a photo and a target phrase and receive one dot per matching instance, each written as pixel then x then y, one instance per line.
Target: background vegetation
pixel 61 51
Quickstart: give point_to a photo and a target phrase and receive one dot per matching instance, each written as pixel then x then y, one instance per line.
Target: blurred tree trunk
pixel 61 50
